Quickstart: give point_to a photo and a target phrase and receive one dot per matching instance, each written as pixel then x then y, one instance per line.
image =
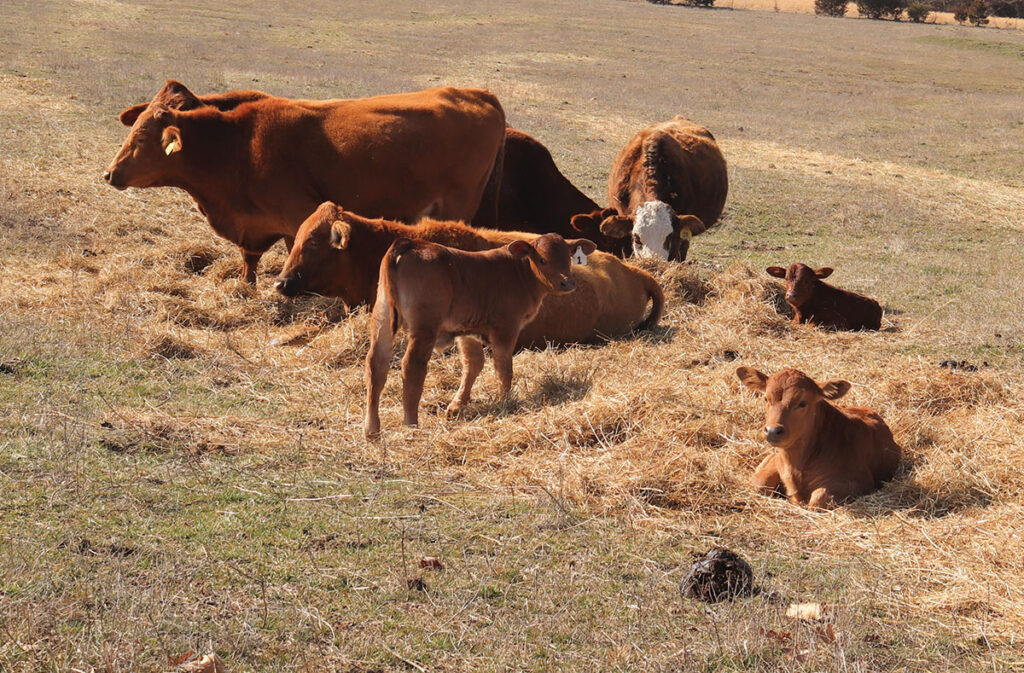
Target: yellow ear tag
pixel 579 258
pixel 685 235
pixel 171 146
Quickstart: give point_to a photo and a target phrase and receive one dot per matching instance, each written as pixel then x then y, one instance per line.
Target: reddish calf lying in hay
pixel 822 305
pixel 439 293
pixel 826 454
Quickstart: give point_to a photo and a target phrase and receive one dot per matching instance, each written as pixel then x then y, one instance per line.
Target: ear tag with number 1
pixel 579 258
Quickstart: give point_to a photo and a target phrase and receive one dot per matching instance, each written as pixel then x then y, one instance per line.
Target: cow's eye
pixel 802 404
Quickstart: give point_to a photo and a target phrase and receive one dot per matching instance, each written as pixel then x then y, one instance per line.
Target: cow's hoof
pixel 454 409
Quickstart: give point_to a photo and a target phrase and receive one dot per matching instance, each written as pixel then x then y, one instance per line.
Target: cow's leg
pixel 766 478
pixel 472 352
pixel 378 362
pixel 250 260
pixel 502 348
pixel 822 498
pixel 414 372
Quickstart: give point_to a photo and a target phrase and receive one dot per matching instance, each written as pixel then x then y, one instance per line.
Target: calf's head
pixel 154 144
pixel 320 261
pixel 551 257
pixel 792 400
pixel 800 281
pixel 654 230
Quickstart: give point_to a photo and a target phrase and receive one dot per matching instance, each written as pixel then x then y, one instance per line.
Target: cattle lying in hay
pixel 817 303
pixel 257 165
pixel 439 293
pixel 337 254
pixel 668 184
pixel 824 454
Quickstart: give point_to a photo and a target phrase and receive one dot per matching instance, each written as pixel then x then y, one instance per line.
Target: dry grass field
pixel 181 464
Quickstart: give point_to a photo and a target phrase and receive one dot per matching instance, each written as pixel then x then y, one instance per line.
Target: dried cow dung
pixel 717 576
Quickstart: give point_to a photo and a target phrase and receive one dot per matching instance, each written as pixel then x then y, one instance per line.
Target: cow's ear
pixel 690 223
pixel 617 226
pixel 752 378
pixel 585 245
pixel 340 233
pixel 776 271
pixel 823 272
pixel 520 248
pixel 833 390
pixel 171 140
pixel 584 222
pixel 129 116
pixel 177 96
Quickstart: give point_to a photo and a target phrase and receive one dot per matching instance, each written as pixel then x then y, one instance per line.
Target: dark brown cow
pixel 822 305
pixel 668 183
pixel 338 253
pixel 535 196
pixel 825 454
pixel 438 293
pixel 257 165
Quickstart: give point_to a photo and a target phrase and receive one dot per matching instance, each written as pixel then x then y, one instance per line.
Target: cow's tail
pixel 387 292
pixel 487 214
pixel 657 296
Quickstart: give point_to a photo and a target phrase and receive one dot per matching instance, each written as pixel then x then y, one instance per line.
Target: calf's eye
pixel 802 404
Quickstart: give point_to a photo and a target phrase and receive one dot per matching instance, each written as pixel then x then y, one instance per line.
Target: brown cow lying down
pixel 668 183
pixel 825 454
pixel 257 165
pixel 822 305
pixel 535 196
pixel 338 253
pixel 439 293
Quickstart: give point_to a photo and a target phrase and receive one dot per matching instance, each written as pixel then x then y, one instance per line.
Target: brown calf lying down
pixel 257 164
pixel 822 305
pixel 439 293
pixel 825 454
pixel 338 254
pixel 668 183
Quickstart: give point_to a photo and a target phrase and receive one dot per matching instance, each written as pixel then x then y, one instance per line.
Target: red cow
pixel 668 183
pixel 257 165
pixel 440 293
pixel 338 253
pixel 825 454
pixel 822 305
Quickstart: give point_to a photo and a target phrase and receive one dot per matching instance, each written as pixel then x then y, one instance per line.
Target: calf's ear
pixel 752 378
pixel 340 232
pixel 584 222
pixel 690 223
pixel 129 116
pixel 617 226
pixel 833 390
pixel 585 245
pixel 520 248
pixel 776 271
pixel 171 140
pixel 823 272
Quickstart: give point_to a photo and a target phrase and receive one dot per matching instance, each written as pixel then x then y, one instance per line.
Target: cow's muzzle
pixel 774 433
pixel 288 286
pixel 113 179
pixel 567 285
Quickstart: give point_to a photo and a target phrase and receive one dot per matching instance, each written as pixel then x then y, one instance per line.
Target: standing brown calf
pixel 825 454
pixel 439 293
pixel 822 305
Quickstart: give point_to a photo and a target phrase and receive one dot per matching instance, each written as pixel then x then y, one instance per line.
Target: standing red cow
pixel 257 165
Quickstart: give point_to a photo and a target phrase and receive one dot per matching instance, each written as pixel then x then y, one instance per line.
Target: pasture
pixel 181 457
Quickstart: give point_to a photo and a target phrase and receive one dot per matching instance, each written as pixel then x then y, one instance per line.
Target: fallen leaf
pixel 826 633
pixel 781 637
pixel 181 658
pixel 210 663
pixel 431 563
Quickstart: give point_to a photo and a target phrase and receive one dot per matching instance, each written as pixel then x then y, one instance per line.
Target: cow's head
pixel 154 144
pixel 654 230
pixel 793 402
pixel 319 262
pixel 551 258
pixel 800 281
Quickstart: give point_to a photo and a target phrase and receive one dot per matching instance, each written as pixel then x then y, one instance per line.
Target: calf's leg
pixel 823 498
pixel 766 478
pixel 414 372
pixel 472 352
pixel 378 361
pixel 502 347
pixel 250 260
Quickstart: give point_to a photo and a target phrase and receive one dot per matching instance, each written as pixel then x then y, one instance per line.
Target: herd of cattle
pixel 428 208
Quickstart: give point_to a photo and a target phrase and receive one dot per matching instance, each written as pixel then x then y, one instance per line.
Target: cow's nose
pixel 106 176
pixel 773 433
pixel 286 286
pixel 568 284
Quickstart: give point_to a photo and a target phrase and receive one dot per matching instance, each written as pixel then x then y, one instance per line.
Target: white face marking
pixel 579 258
pixel 652 225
